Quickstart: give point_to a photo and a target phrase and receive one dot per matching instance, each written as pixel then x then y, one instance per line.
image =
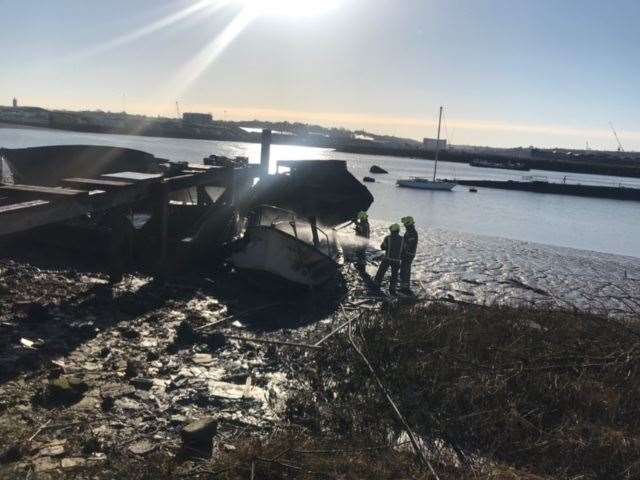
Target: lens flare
pixel 292 8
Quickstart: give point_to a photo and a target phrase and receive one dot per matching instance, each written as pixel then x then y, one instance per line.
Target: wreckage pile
pixel 92 377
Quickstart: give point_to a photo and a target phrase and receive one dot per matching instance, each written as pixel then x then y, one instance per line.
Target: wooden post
pixel 202 198
pixel 162 199
pixel 314 231
pixel 233 185
pixel 265 153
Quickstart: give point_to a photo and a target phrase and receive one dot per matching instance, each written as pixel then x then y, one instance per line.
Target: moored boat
pixel 509 165
pixel 424 183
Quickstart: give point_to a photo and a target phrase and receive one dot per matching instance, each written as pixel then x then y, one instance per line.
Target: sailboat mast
pixel 435 166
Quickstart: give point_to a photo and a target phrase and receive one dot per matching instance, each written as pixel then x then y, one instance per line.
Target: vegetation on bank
pixel 491 392
pixel 494 392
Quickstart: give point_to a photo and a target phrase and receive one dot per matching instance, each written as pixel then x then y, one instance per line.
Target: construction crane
pixel 620 149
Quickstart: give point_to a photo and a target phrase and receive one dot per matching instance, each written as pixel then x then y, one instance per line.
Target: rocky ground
pixel 91 374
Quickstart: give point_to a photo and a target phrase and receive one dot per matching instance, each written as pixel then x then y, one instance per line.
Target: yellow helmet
pixel 394 228
pixel 406 221
pixel 363 216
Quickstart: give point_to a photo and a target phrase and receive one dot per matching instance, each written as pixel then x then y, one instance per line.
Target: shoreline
pixel 602 167
pixel 122 371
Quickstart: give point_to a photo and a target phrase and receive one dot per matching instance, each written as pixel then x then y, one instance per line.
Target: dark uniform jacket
pixel 392 245
pixel 363 229
pixel 410 242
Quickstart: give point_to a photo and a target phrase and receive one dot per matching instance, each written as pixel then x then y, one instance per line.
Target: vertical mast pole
pixel 435 166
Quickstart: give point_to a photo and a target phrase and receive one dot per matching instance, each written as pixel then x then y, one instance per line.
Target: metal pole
pixel 265 153
pixel 435 166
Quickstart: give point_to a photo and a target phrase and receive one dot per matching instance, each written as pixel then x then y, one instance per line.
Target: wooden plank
pixel 96 183
pixel 199 166
pixel 137 177
pixel 16 207
pixel 40 191
pixel 23 220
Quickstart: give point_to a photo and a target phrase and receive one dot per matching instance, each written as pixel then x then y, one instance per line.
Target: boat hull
pixel 427 185
pixel 49 165
pixel 269 251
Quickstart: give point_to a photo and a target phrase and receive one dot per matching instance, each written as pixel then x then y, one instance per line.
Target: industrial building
pixel 197 118
pixel 434 144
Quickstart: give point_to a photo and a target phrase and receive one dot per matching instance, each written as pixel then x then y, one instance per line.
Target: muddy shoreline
pixel 140 361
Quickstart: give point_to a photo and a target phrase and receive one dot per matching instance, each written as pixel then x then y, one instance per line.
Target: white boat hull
pixel 267 250
pixel 426 184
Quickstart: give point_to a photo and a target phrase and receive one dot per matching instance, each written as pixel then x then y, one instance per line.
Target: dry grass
pixel 552 393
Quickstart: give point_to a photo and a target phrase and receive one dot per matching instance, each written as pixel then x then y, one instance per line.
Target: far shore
pixel 595 163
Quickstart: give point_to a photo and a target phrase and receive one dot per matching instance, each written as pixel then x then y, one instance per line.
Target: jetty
pixel 616 192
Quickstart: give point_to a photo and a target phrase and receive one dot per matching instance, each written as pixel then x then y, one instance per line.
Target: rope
pixel 412 435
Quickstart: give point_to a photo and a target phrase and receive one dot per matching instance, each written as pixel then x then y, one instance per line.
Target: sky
pixel 508 72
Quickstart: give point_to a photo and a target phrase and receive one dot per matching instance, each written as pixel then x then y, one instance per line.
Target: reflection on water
pixel 585 223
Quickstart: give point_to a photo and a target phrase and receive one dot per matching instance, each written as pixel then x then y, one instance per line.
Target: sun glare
pixel 293 8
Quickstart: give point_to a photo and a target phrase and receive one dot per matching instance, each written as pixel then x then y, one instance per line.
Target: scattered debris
pixel 199 434
pixel 142 447
pixel 32 344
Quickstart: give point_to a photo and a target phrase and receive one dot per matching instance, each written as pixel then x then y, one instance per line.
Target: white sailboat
pixel 425 183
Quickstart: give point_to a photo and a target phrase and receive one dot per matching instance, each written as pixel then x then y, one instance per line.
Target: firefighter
pixel 363 230
pixel 409 249
pixel 392 245
pixel 362 225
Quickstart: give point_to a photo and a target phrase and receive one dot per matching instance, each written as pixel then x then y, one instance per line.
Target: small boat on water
pixel 509 165
pixel 425 183
pixel 278 246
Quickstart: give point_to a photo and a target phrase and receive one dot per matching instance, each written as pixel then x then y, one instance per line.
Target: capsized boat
pixel 320 189
pixel 277 245
pixel 49 165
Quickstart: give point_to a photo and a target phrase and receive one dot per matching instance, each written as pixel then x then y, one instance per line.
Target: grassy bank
pixel 490 393
pixel 494 393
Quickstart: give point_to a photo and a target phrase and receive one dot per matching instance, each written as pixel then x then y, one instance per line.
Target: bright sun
pixel 294 8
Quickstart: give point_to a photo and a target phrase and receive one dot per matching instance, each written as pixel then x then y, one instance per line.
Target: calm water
pixel 585 223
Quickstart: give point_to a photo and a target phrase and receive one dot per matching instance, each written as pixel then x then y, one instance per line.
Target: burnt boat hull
pixel 49 165
pixel 270 252
pixel 321 189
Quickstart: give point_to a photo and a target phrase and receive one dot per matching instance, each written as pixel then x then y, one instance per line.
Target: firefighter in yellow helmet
pixel 409 249
pixel 363 230
pixel 392 245
pixel 362 225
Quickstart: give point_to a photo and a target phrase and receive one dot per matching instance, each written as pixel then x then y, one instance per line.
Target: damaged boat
pixel 279 246
pixel 282 238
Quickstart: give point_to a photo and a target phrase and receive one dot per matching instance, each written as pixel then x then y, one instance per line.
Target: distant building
pixel 15 102
pixel 24 116
pixel 197 118
pixel 433 144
